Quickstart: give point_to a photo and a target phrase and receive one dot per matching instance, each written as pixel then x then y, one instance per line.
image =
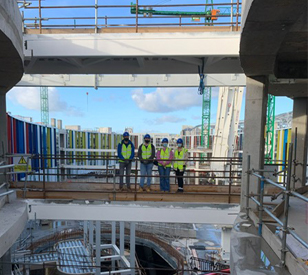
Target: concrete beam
pixel 221 214
pixel 158 80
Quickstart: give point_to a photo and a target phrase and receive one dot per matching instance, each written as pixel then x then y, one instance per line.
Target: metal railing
pixel 3 171
pixel 73 168
pixel 143 16
pixel 286 191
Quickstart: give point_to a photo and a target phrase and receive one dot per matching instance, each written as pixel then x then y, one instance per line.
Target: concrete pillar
pixel 122 238
pixel 132 247
pixel 225 242
pixel 5 266
pixel 98 247
pixel 3 130
pixel 254 141
pixel 300 124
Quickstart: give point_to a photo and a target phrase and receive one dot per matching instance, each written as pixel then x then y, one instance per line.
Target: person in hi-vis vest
pixel 146 155
pixel 126 153
pixel 164 157
pixel 179 163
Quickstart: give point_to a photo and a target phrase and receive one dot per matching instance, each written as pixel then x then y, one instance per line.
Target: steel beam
pixel 128 80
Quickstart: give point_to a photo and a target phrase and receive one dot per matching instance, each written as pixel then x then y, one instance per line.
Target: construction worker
pixel 146 155
pixel 179 164
pixel 164 157
pixel 126 153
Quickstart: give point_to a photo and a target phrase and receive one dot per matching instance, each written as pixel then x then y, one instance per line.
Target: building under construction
pixel 243 209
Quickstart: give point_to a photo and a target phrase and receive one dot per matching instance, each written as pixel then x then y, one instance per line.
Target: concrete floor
pixel 298 219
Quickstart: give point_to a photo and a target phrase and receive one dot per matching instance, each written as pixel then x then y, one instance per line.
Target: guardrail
pixel 5 184
pixel 105 169
pixel 214 14
pixel 287 192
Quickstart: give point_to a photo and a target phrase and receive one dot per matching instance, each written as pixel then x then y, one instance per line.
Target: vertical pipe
pixel 286 208
pixel 98 247
pixel 96 15
pixel 132 246
pixel 122 238
pixel 137 15
pixel 106 21
pixel 44 180
pixel 237 13
pixel 261 191
pixel 247 186
pixel 40 16
pixel 230 181
pixel 180 18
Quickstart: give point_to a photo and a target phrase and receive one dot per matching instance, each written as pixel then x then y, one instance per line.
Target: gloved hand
pixel 184 167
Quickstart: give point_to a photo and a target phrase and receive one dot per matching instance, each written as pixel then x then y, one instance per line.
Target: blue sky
pixel 146 110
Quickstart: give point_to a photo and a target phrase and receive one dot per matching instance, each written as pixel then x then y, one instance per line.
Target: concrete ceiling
pixel 274 44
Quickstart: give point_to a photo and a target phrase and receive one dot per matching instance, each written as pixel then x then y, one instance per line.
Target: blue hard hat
pixel 179 140
pixel 165 140
pixel 147 136
pixel 125 134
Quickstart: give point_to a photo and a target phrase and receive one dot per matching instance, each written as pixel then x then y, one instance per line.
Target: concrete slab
pixel 13 217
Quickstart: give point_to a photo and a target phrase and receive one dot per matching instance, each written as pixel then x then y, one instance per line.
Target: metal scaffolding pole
pixel 132 246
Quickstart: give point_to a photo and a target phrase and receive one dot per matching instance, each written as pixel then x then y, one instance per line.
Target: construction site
pixel 243 206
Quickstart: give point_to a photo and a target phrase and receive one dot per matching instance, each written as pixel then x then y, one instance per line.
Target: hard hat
pixel 125 134
pixel 179 140
pixel 147 136
pixel 165 140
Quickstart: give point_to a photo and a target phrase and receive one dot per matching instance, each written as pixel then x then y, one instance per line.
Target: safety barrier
pixel 73 168
pixel 145 16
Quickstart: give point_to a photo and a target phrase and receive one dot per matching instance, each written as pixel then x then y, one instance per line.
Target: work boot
pixel 129 189
pixel 180 190
pixel 140 189
pixel 148 189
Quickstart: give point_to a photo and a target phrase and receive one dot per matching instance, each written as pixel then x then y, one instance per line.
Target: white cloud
pixel 29 98
pixel 165 100
pixel 165 119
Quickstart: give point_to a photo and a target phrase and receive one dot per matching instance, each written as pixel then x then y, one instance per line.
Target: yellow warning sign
pixel 21 164
pixel 22 161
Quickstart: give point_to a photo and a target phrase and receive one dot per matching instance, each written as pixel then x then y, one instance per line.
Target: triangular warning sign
pixel 22 161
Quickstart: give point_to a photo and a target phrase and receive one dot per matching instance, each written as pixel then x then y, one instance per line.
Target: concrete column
pixel 113 241
pixel 5 266
pixel 300 124
pixel 254 141
pixel 98 247
pixel 91 233
pixel 132 247
pixel 122 238
pixel 225 242
pixel 3 130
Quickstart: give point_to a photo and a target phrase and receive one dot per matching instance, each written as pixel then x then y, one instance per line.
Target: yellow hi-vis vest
pixel 164 155
pixel 146 151
pixel 126 152
pixel 179 162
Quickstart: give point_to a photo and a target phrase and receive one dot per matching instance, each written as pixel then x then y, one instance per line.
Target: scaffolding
pixel 270 128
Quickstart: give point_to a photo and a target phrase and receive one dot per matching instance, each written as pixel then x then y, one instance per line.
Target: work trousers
pixel 127 166
pixel 179 177
pixel 164 173
pixel 145 169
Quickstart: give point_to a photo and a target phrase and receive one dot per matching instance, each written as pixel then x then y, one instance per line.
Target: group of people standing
pixel 164 158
